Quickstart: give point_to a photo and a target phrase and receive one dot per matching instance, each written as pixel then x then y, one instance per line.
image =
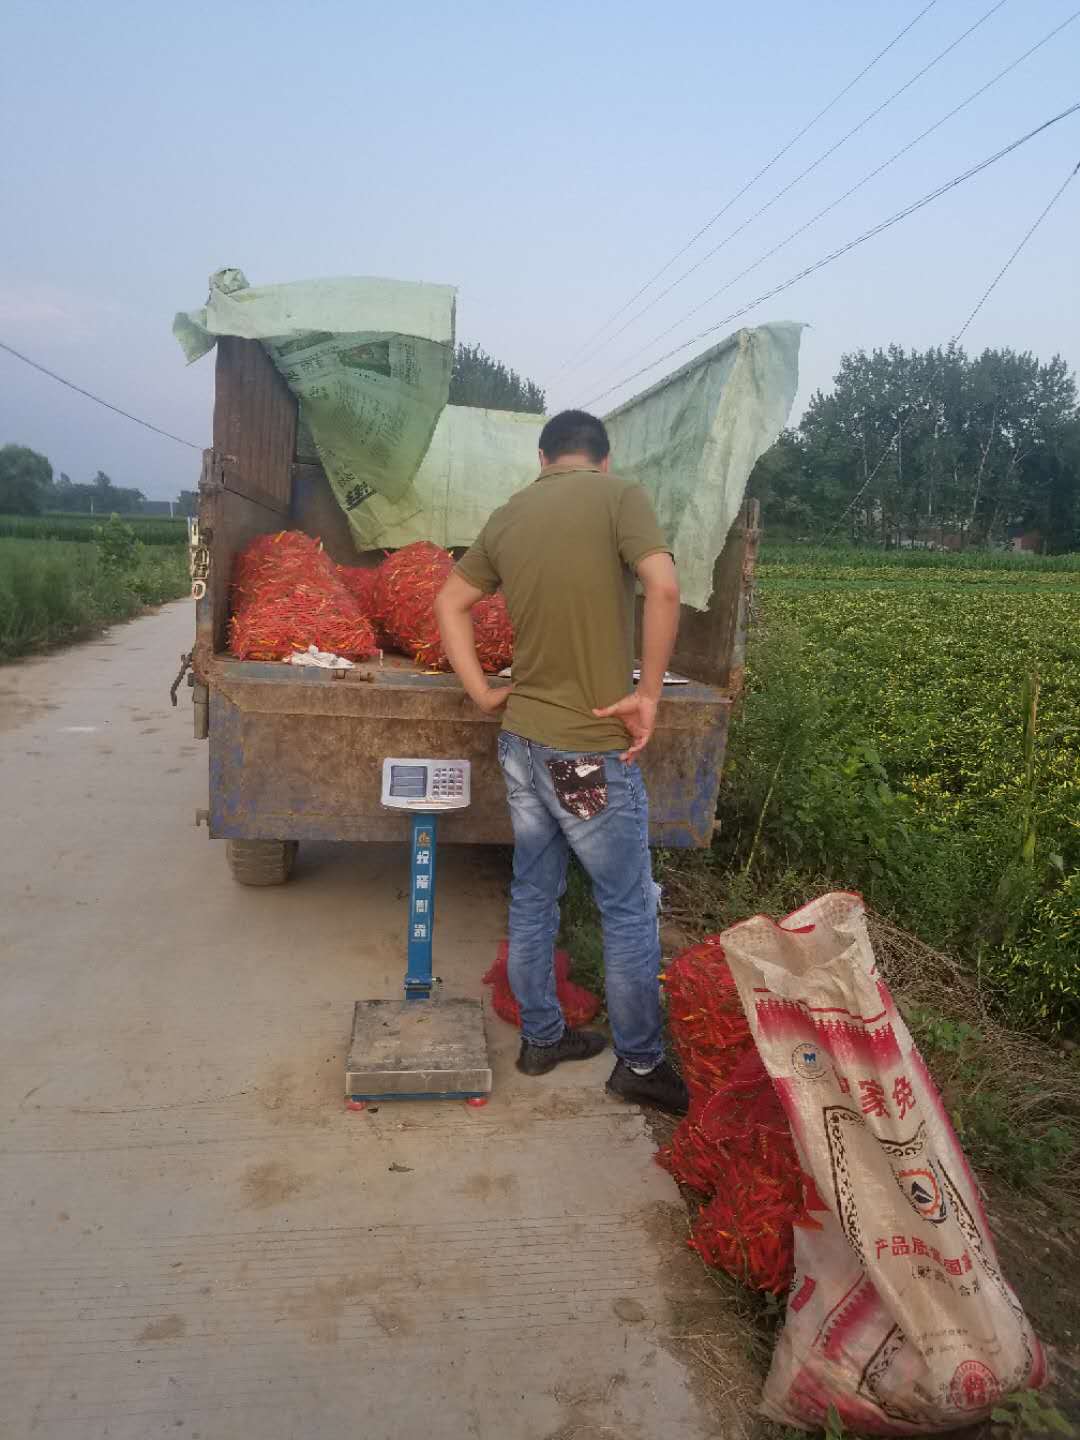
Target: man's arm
pixel 660 625
pixel 453 605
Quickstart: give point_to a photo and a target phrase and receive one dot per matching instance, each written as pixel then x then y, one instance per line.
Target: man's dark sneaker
pixel 662 1087
pixel 574 1045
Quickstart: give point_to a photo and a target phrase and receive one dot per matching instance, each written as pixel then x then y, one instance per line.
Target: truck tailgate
pixel 296 754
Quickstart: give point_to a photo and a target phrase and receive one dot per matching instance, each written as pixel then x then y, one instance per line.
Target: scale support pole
pixel 418 979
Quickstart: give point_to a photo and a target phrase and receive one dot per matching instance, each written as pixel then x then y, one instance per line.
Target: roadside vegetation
pixel 53 592
pixel 149 529
pixel 910 728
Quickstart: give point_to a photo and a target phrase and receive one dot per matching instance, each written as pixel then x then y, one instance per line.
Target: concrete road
pixel 198 1239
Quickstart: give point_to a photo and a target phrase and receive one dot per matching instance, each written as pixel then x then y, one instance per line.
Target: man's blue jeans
pixel 613 847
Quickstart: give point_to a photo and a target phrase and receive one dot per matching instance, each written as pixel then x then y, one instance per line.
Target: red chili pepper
pixel 745 1158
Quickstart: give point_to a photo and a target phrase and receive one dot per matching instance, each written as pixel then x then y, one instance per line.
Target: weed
pixel 834 1426
pixel 1027 1412
pixel 52 593
pixel 118 546
pixel 580 931
pixel 967 1069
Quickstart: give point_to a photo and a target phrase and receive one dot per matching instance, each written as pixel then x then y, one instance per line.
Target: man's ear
pixel 605 463
pixel 543 459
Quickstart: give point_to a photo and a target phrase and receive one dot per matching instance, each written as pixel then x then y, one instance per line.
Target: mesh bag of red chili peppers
pixel 286 595
pixel 734 1145
pixel 578 1005
pixel 403 609
pixel 493 633
pixel 404 600
pixel 360 581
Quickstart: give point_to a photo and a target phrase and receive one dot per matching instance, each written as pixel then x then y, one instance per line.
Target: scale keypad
pixel 447 783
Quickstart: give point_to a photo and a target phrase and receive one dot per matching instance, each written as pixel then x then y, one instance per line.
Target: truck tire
pixel 261 862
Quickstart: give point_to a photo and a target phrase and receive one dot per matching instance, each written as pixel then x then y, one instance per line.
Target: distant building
pixel 1026 542
pixel 929 538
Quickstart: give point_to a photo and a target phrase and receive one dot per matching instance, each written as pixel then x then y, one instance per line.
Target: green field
pixel 889 741
pixel 886 743
pixel 151 529
pixel 55 591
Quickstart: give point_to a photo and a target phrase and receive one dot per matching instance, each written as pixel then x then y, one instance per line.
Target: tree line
pixel 478 379
pixel 29 487
pixel 932 448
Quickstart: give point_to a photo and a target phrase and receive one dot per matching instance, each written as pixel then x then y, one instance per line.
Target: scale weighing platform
pixel 425 1047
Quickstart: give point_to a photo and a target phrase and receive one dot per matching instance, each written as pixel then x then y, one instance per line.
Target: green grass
pixel 886 743
pixel 825 560
pixel 881 743
pixel 53 592
pixel 151 529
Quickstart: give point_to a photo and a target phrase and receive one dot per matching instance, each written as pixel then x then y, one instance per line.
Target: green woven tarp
pixel 691 440
pixel 370 363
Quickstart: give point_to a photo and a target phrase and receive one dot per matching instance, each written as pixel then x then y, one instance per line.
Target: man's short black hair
pixel 575 432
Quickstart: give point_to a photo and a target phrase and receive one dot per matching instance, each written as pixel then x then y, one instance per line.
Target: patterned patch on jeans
pixel 580 785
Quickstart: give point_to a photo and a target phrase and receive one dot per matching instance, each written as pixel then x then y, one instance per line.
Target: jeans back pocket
pixel 580 785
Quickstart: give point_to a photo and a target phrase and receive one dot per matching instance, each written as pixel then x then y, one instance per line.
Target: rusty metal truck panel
pixel 296 754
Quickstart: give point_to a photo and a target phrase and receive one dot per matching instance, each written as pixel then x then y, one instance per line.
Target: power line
pixel 956 340
pixel 870 175
pixel 97 398
pixel 994 283
pixel 843 249
pixel 820 159
pixel 572 360
pixel 858 185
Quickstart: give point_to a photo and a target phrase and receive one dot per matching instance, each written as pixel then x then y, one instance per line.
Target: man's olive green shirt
pixel 564 551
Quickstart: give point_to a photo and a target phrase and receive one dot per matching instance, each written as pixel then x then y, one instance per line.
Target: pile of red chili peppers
pixel 287 594
pixel 735 1145
pixel 404 609
pixel 360 581
pixel 404 600
pixel 578 1005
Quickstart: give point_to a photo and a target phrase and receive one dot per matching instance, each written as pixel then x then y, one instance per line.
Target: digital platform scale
pixel 427 1046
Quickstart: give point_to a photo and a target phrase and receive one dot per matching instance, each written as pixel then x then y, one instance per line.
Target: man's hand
pixel 638 713
pixel 491 701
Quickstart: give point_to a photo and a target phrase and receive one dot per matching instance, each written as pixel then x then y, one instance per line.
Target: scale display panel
pixel 425 785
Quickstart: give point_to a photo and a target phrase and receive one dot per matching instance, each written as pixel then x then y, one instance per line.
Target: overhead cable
pixel 824 260
pixel 762 209
pixel 97 398
pixel 870 175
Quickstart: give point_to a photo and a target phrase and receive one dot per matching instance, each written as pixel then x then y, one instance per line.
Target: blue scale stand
pixel 427 1046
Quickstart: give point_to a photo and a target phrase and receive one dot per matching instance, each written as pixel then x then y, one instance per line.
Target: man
pixel 566 552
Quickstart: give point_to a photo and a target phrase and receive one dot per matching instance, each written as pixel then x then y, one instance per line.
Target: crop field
pixel 912 729
pixel 55 591
pixel 151 529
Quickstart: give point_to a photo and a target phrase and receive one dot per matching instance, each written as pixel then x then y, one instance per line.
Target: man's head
pixel 575 435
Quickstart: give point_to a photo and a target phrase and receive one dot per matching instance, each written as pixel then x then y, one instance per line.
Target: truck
pixel 295 754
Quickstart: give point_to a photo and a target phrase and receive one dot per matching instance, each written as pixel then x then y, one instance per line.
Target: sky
pixel 547 160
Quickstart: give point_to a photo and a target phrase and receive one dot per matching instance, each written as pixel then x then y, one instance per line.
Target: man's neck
pixel 571 462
